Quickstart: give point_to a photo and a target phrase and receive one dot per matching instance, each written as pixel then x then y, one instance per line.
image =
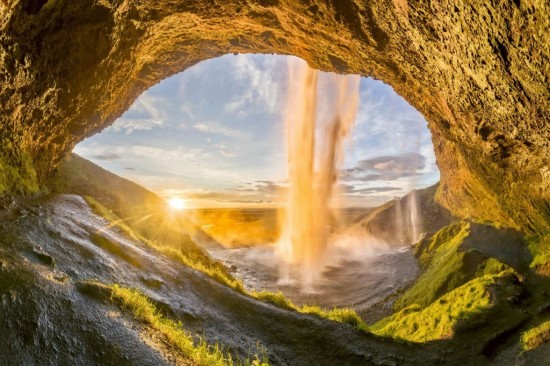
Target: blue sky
pixel 214 134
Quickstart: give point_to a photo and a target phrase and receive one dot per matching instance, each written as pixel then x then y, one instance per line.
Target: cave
pixel 471 71
pixel 478 73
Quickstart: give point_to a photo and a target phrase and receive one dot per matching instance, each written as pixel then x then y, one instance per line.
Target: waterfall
pixel 314 149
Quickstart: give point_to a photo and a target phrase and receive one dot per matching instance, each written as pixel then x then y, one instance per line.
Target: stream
pixel 355 279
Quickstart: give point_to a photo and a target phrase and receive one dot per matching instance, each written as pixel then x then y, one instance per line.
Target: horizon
pixel 213 135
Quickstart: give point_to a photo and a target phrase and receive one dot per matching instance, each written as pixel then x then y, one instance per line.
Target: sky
pixel 214 135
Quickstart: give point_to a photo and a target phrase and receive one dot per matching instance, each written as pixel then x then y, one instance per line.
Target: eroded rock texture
pixel 479 73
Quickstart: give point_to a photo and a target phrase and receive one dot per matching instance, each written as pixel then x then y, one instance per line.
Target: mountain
pixel 393 222
pixel 135 205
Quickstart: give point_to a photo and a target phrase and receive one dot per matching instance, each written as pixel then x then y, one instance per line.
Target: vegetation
pixel 440 319
pixel 441 299
pixel 340 315
pixel 200 352
pixel 136 207
pixel 536 336
pixel 540 250
pixel 218 272
pixel 108 215
pixel 458 288
pixel 491 266
pixel 17 178
pixel 203 264
pixel 445 266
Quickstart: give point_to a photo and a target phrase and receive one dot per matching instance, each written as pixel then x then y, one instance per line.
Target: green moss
pixel 141 307
pixel 17 175
pixel 534 337
pixel 340 315
pixel 440 319
pixel 539 247
pixel 275 298
pixel 491 266
pixel 442 263
pixel 445 266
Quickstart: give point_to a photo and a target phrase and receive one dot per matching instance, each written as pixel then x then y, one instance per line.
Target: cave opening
pixel 74 245
pixel 210 142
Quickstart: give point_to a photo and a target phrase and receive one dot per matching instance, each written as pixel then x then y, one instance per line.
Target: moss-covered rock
pixel 540 249
pixel 461 309
pixel 18 178
pixel 459 253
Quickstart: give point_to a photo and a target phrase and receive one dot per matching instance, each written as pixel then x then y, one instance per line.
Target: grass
pixel 540 250
pixel 441 263
pixel 536 336
pixel 445 266
pixel 108 215
pixel 216 271
pixel 440 319
pixel 200 352
pixel 491 266
pixel 208 267
pixel 340 315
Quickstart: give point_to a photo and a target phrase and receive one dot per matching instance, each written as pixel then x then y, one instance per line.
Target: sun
pixel 178 204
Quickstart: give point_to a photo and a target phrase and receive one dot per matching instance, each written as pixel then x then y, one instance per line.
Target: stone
pixel 477 71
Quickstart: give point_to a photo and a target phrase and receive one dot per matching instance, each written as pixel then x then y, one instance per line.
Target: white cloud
pixel 130 125
pixel 148 154
pixel 227 154
pixel 230 107
pixel 216 128
pixel 149 105
pixel 146 114
pixel 262 85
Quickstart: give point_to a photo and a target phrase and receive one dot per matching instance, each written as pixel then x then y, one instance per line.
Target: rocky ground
pixel 49 247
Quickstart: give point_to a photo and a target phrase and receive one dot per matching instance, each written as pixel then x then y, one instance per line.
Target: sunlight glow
pixel 178 204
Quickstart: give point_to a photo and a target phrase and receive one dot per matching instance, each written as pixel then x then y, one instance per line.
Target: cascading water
pixel 414 218
pixel 407 222
pixel 315 148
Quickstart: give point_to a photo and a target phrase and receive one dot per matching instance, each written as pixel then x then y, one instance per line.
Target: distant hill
pixel 139 208
pixel 79 176
pixel 391 221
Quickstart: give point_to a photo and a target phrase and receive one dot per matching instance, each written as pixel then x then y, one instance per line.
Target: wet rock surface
pixel 53 318
pixel 50 316
pixel 477 71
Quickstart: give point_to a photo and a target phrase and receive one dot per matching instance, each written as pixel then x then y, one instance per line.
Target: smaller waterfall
pixel 407 220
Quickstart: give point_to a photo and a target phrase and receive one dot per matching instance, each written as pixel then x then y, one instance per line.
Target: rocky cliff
pixel 478 71
pixel 393 223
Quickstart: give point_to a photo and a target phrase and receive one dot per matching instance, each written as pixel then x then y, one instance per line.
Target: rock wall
pixel 479 73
